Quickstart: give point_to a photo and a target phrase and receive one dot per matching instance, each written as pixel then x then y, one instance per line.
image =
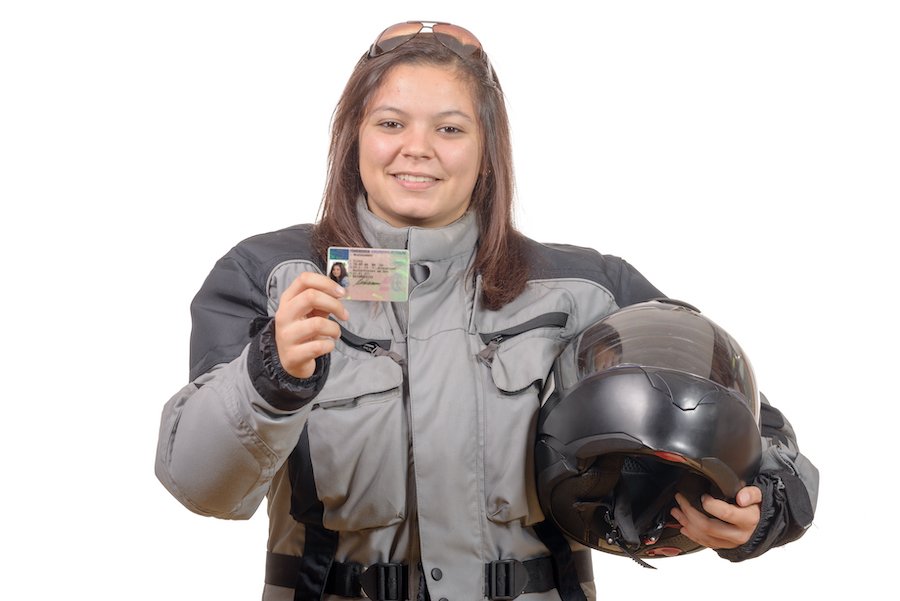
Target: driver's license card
pixel 370 274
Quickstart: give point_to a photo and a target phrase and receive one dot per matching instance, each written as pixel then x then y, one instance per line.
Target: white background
pixel 743 155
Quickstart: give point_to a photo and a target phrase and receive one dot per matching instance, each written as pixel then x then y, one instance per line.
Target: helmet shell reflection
pixel 668 335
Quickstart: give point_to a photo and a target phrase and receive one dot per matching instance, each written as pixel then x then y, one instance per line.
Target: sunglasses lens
pixel 461 41
pixel 394 36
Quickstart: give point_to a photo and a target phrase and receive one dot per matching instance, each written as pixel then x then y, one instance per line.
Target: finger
pixel 317 281
pixel 690 519
pixel 311 302
pixel 305 330
pixel 688 510
pixel 299 342
pixel 706 531
pixel 679 516
pixel 710 540
pixel 742 517
pixel 299 360
pixel 687 514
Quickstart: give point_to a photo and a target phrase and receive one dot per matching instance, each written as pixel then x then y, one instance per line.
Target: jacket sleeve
pixel 225 434
pixel 790 487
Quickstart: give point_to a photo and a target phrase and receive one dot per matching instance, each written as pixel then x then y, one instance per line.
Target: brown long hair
pixel 499 257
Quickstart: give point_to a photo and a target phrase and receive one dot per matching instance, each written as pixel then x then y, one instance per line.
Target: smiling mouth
pixel 405 177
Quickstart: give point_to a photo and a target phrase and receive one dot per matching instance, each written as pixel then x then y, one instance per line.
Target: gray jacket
pixel 412 443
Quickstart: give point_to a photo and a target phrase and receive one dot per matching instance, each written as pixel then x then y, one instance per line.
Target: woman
pixel 397 465
pixel 339 274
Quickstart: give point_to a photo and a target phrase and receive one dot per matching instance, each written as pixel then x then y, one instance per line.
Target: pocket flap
pixel 522 361
pixel 349 377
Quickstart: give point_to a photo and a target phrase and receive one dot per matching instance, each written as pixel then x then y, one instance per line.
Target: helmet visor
pixel 666 336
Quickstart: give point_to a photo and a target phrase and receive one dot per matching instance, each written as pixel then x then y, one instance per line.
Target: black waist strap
pixel 381 581
pixel 503 579
pixel 509 578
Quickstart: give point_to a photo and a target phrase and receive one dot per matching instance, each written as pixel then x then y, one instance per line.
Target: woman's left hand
pixel 735 523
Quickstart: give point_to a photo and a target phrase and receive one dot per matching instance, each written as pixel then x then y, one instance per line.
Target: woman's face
pixel 420 147
pixel 336 270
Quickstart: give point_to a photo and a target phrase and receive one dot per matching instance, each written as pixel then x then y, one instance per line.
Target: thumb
pixel 749 495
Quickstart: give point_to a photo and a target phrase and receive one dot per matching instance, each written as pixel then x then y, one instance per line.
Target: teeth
pixel 414 178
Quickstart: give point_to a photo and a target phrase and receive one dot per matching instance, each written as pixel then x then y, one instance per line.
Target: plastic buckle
pixel 384 582
pixel 506 579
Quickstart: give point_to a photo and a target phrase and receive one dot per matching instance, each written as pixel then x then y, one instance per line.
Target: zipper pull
pixel 377 351
pixel 486 356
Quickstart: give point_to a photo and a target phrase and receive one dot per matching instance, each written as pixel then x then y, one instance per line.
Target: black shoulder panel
pixel 558 261
pixel 234 294
pixel 265 251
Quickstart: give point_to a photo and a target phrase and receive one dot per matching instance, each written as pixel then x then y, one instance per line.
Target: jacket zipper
pixel 494 339
pixel 376 348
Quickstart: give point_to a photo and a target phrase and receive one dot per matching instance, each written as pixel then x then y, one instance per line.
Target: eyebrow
pixel 443 114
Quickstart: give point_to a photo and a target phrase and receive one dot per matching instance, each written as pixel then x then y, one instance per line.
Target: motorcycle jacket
pixel 403 468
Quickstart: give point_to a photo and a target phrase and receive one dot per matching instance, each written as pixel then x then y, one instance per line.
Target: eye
pixel 388 124
pixel 450 129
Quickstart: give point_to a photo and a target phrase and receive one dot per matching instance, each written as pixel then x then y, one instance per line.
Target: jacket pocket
pixel 518 364
pixel 358 442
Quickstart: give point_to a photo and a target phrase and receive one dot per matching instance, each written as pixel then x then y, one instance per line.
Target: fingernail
pixel 339 290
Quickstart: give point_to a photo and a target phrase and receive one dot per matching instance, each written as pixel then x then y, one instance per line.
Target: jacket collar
pixel 424 244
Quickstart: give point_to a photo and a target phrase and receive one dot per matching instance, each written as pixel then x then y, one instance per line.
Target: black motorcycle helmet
pixel 649 401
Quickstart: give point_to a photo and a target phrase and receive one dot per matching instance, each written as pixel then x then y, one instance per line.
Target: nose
pixel 417 143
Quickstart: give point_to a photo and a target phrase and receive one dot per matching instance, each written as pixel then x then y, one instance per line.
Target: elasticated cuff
pixel 785 514
pixel 274 384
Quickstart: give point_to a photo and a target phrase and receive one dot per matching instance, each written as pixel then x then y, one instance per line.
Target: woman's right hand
pixel 303 331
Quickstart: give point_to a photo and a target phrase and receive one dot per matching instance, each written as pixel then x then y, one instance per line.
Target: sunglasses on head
pixel 458 40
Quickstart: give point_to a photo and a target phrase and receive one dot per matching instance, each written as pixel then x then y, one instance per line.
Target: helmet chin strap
pixel 628 552
pixel 631 533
